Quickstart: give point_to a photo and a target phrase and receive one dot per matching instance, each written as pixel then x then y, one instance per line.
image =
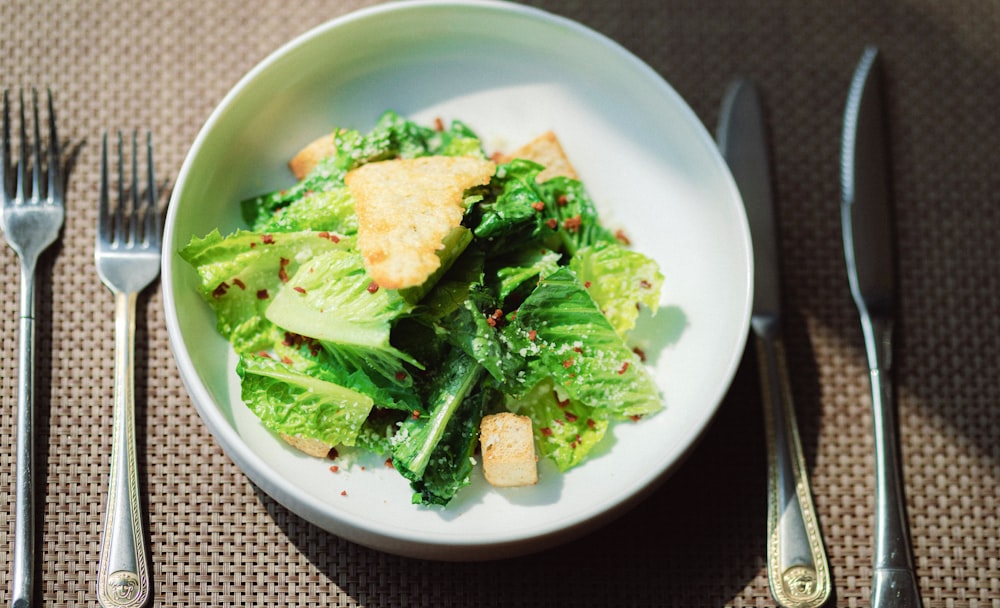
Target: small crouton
pixel 508 449
pixel 406 208
pixel 305 160
pixel 312 447
pixel 548 152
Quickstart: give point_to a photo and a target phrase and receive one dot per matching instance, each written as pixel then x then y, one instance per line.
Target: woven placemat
pixel 699 541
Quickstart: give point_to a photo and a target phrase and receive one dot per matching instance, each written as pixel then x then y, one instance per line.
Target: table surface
pixel 699 540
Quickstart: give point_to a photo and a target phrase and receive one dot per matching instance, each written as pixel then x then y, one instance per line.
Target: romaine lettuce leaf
pixel 329 210
pixel 240 273
pixel 331 299
pixel 563 335
pixel 298 404
pixel 620 281
pixel 565 430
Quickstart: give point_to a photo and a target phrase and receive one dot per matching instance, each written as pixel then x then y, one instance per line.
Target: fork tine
pixel 103 214
pixel 22 156
pixel 135 219
pixel 36 151
pixel 5 147
pixel 152 210
pixel 119 221
pixel 55 157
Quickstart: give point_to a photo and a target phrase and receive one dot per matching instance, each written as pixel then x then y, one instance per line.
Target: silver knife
pixel 868 248
pixel 797 567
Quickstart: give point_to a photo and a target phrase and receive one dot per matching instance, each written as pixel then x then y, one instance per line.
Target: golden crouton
pixel 306 159
pixel 548 152
pixel 313 447
pixel 406 208
pixel 508 449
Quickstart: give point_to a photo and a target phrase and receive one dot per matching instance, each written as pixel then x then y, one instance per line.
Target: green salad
pixel 530 312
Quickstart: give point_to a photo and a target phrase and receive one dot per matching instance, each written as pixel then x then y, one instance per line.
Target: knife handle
pixel 894 580
pixel 797 567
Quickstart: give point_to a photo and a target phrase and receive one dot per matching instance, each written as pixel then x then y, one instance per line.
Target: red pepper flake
pixel 400 376
pixel 622 237
pixel 221 290
pixel 329 236
pixel 562 200
pixel 388 463
pixel 262 294
pixel 567 363
pixel 640 353
pixel 561 403
pixel 415 414
pixel 438 124
pixel 591 424
pixel 372 287
pixel 252 245
pixel 237 282
pixel 491 321
pixel 623 368
pixel 546 431
pixel 571 417
pixel 572 224
pixel 558 421
pixel 264 354
pixel 332 454
pixel 572 445
pixel 282 269
pixel 497 157
pixel 538 206
pixel 635 417
pixel 267 239
pixel 343 492
pixel 587 284
pixel 287 360
pixel 532 334
pixel 552 223
pixel 334 468
pixel 577 349
pixel 299 289
pixel 645 284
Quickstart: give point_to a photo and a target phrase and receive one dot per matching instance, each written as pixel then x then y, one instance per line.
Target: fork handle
pixel 123 570
pixel 24 503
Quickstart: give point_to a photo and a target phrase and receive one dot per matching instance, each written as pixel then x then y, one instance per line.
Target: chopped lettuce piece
pixel 565 430
pixel 240 273
pixel 442 440
pixel 563 335
pixel 304 405
pixel 620 281
pixel 331 299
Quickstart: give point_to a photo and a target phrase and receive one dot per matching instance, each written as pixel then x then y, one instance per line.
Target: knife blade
pixel 798 571
pixel 866 216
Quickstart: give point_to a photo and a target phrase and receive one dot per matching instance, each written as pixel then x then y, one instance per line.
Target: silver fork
pixel 127 254
pixel 32 215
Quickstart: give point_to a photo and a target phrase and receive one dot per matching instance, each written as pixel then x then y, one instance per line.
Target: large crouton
pixel 305 160
pixel 406 208
pixel 548 152
pixel 508 449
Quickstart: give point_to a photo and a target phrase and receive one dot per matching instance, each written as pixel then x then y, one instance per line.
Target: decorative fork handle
pixel 24 503
pixel 798 572
pixel 894 580
pixel 123 572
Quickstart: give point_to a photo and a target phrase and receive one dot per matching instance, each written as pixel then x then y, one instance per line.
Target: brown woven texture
pixel 698 541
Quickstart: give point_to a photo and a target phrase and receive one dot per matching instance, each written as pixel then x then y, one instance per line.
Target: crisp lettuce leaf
pixel 620 281
pixel 240 273
pixel 332 299
pixel 565 430
pixel 569 207
pixel 438 444
pixel 330 210
pixel 298 404
pixel 563 335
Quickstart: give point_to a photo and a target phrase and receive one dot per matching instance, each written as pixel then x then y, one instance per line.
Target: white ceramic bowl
pixel 510 72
